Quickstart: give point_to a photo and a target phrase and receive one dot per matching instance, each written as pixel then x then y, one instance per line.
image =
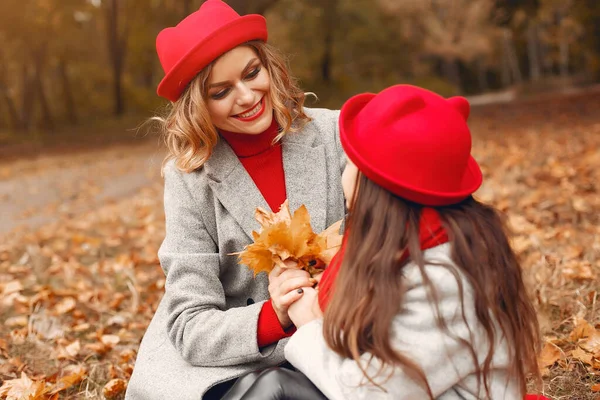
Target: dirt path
pixel 40 190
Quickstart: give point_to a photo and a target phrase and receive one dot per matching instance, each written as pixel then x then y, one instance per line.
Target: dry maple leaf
pixel 549 355
pixel 286 237
pixel 68 381
pixel 114 388
pixel 23 388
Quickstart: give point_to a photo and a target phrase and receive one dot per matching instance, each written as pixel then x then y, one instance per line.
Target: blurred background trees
pixel 66 62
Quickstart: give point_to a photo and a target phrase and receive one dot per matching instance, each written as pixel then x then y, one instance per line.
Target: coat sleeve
pixel 199 326
pixel 445 361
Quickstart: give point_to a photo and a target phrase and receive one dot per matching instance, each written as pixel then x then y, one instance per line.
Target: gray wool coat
pixel 205 328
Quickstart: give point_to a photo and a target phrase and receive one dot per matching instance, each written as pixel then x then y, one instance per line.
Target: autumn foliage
pixel 77 295
pixel 286 237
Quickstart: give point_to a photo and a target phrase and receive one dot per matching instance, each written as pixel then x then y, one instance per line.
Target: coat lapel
pixel 234 188
pixel 305 180
pixel 306 177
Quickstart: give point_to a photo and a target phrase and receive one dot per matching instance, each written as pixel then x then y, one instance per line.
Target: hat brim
pixel 231 35
pixel 471 180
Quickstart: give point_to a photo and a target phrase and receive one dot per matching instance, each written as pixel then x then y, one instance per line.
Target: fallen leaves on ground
pixel 76 296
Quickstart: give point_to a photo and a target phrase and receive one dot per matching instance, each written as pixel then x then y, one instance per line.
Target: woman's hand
pixel 284 286
pixel 306 308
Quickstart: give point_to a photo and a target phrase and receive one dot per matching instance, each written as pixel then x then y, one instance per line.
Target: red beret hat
pixel 199 39
pixel 412 142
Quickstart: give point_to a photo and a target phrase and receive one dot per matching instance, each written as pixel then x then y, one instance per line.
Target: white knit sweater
pixel 447 363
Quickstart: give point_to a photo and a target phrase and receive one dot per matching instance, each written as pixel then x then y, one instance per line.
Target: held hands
pixel 284 288
pixel 306 308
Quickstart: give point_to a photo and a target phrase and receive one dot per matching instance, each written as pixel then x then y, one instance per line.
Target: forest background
pixel 81 213
pixel 67 63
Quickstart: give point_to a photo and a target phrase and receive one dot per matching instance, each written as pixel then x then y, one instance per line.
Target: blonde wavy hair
pixel 187 127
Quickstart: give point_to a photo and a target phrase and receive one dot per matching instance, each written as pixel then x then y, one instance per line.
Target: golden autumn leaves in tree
pixel 286 237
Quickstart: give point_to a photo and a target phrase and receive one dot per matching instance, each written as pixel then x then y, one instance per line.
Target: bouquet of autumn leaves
pixel 286 237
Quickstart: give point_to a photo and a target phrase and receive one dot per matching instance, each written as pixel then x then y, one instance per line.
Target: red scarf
pixel 431 234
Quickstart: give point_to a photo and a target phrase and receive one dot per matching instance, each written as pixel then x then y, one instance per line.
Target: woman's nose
pixel 245 95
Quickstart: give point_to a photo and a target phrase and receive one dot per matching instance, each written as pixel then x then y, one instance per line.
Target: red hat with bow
pixel 412 142
pixel 199 39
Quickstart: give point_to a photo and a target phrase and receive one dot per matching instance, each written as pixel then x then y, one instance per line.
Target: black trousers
pixel 277 383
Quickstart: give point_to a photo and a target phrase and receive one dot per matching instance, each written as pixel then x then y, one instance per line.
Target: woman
pixel 238 137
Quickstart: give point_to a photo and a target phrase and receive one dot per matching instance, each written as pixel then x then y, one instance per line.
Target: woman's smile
pixel 253 113
pixel 238 97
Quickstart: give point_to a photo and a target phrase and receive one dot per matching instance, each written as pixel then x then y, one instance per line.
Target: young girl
pixel 238 138
pixel 426 297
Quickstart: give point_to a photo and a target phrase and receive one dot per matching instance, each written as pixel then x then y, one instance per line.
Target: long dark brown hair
pixel 371 273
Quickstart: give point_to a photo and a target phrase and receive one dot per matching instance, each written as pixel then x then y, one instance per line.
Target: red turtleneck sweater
pixel 264 163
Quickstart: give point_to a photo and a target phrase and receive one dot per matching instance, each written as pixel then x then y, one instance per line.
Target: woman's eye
pixel 220 94
pixel 253 73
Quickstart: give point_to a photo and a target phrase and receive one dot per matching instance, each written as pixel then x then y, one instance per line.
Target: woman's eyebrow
pixel 246 68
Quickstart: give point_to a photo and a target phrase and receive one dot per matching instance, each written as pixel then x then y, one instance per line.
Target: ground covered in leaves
pixel 77 294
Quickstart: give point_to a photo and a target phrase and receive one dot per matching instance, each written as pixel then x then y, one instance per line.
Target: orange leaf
pixel 66 305
pixel 582 356
pixel 114 388
pixel 69 380
pixel 582 329
pixel 550 354
pixel 284 237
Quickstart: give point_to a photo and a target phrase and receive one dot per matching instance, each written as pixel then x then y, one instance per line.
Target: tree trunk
pixel 533 51
pixel 47 120
pixel 329 14
pixel 67 91
pixel 28 97
pixel 511 57
pixel 148 71
pixel 13 113
pixel 482 76
pixel 116 44
pixel 187 7
pixel 564 56
pixel 452 74
pixel 505 70
pixel 546 60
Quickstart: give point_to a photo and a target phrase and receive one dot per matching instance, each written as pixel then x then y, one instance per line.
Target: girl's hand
pixel 284 284
pixel 305 309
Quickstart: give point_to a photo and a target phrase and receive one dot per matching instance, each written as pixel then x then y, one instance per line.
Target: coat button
pixel 249 301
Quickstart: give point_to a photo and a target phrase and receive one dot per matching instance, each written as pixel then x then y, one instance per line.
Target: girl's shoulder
pixel 441 272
